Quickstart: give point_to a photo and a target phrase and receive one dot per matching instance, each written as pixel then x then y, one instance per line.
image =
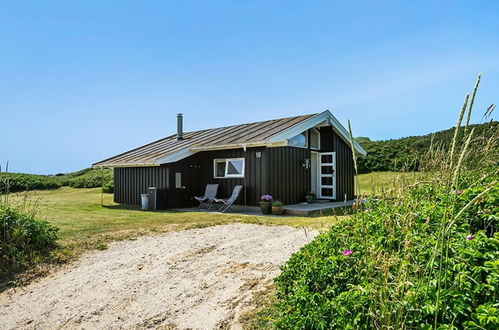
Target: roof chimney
pixel 180 132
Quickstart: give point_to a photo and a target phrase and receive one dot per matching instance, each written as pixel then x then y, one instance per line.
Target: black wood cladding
pixel 289 180
pixel 331 141
pixel 131 182
pixel 197 172
pixel 277 171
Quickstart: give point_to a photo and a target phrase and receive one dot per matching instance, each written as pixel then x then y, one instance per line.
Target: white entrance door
pixel 327 175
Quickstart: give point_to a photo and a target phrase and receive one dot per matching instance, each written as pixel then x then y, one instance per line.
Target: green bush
pixel 405 263
pixel 406 154
pixel 425 256
pixel 24 241
pixel 108 187
pixel 91 179
pixel 14 182
pixel 86 178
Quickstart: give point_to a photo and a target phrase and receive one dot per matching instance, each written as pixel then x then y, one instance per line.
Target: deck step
pixel 319 209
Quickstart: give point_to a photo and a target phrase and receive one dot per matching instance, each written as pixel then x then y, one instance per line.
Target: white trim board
pixel 314 121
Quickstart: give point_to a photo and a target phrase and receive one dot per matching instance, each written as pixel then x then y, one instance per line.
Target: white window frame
pixel 226 175
pixel 310 140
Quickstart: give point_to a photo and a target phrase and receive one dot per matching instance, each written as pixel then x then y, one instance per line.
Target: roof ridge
pixel 253 122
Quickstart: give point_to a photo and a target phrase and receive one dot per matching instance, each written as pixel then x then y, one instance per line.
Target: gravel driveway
pixel 192 279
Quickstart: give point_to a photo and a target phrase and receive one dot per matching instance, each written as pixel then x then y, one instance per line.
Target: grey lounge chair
pixel 210 194
pixel 227 202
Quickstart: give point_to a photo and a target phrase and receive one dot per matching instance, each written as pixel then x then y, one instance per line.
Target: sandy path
pixel 196 279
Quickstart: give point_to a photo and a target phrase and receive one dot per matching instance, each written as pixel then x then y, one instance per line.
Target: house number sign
pixel 258 154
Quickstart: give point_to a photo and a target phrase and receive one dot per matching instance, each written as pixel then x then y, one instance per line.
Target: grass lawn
pixel 84 223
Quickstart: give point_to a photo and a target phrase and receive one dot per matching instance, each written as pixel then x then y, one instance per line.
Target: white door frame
pixel 320 175
pixel 314 167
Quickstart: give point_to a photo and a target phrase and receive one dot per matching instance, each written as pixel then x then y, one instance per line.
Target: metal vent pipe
pixel 180 131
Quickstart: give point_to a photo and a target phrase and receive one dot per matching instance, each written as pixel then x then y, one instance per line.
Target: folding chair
pixel 210 195
pixel 227 202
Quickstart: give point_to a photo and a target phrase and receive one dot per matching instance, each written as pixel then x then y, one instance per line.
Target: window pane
pixel 327 180
pixel 314 139
pixel 178 180
pixel 327 192
pixel 220 169
pixel 326 169
pixel 299 140
pixel 326 159
pixel 235 167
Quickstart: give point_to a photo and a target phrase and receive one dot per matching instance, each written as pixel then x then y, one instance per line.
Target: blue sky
pixel 84 80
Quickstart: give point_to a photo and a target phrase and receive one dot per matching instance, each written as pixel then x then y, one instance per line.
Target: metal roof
pixel 251 134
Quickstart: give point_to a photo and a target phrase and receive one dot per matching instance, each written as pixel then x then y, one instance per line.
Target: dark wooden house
pixel 284 158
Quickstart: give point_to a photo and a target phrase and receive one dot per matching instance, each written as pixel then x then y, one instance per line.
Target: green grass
pixel 84 223
pixel 79 215
pixel 376 182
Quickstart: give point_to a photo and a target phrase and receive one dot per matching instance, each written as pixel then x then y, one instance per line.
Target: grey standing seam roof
pixel 251 133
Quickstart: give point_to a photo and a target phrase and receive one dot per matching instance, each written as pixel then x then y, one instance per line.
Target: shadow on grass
pixel 127 207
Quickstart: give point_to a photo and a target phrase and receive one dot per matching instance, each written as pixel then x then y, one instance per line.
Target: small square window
pixel 327 181
pixel 235 167
pixel 327 192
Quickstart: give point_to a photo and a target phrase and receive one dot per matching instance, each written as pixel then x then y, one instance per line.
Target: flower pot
pixel 266 207
pixel 309 199
pixel 277 210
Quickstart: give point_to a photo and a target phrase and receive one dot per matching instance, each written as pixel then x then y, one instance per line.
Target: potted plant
pixel 310 197
pixel 277 208
pixel 266 204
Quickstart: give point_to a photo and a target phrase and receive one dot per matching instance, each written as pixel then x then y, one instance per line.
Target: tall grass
pixel 25 240
pixel 424 256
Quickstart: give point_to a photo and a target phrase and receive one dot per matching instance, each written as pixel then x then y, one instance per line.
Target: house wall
pixel 196 172
pixel 331 141
pixel 278 171
pixel 289 181
pixel 199 169
pixel 131 182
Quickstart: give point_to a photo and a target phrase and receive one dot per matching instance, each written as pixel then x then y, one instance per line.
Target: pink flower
pixel 469 237
pixel 457 192
pixel 266 198
pixel 346 252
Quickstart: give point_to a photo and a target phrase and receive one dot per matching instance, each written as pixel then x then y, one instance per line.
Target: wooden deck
pixel 313 209
pixel 319 209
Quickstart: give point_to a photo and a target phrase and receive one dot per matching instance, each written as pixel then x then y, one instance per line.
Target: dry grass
pixel 375 183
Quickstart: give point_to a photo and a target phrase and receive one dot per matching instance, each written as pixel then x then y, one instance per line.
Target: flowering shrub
pixel 424 257
pixel 409 264
pixel 266 198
